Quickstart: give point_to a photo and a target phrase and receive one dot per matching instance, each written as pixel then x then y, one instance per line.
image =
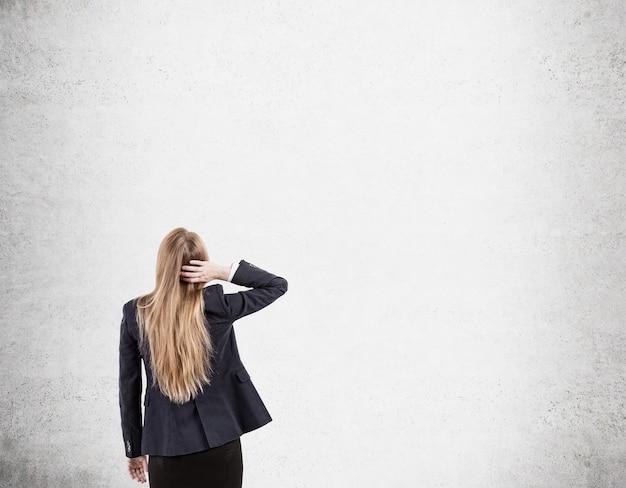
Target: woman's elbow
pixel 283 286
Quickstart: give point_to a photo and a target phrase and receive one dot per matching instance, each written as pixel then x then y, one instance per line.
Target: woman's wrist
pixel 224 273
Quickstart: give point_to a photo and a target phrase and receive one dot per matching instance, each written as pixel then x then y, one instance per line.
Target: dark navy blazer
pixel 227 408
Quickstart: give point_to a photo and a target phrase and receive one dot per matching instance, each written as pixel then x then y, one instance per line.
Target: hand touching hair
pixel 203 272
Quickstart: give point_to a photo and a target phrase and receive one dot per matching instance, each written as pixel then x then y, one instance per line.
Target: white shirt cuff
pixel 233 270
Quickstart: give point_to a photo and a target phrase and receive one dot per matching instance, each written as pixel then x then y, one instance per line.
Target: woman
pixel 199 398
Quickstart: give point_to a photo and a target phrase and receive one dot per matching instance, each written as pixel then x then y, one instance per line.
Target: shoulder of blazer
pixel 214 302
pixel 130 310
pixel 130 316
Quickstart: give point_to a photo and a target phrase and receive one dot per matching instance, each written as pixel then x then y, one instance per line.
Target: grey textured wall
pixel 441 182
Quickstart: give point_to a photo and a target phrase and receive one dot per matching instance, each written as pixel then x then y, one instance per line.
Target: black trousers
pixel 219 467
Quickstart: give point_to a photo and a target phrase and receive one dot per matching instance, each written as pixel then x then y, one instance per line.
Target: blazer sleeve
pixel 266 287
pixel 130 391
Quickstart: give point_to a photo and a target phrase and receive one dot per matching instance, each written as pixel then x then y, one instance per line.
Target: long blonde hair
pixel 171 320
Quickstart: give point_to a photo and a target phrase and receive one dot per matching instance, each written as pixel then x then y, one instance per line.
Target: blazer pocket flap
pixel 242 375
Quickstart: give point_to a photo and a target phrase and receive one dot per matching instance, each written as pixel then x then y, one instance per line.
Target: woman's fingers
pixel 202 271
pixel 192 280
pixel 140 476
pixel 137 468
pixel 196 272
pixel 192 276
pixel 187 267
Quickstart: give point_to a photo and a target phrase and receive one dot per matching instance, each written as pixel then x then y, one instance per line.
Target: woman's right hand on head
pixel 203 272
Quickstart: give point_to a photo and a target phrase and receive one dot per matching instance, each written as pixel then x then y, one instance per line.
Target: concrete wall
pixel 441 182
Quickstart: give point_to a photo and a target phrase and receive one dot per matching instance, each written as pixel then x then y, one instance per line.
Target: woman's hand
pixel 203 272
pixel 137 468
